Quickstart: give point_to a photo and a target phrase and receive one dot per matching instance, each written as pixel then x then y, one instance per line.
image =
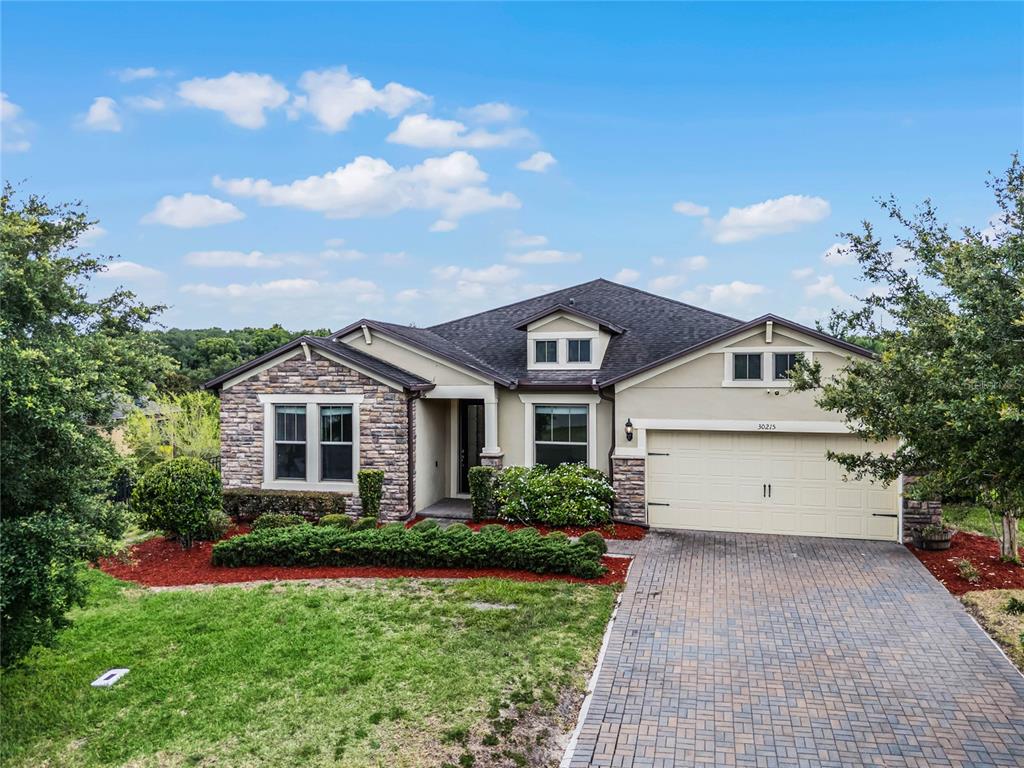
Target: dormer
pixel 562 337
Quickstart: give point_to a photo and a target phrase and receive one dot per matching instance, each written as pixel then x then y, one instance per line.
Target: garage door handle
pixel 882 514
pixel 652 453
pixel 658 504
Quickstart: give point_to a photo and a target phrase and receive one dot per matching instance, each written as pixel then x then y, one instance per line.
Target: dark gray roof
pixel 385 370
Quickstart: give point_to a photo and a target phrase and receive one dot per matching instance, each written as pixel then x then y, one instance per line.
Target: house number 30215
pixel 766 427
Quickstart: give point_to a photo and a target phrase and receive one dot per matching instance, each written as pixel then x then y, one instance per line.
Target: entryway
pixel 470 439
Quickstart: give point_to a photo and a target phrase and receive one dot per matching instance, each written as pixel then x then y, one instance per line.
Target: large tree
pixel 67 360
pixel 947 309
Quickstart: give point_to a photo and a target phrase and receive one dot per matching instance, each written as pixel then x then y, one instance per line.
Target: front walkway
pixel 747 650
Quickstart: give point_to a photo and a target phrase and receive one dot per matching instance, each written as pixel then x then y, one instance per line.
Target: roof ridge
pixel 521 301
pixel 480 362
pixel 667 298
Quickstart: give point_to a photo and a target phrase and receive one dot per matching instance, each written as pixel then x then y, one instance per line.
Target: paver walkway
pixel 748 650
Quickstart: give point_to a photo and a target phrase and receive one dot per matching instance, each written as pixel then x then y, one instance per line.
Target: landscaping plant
pixel 274 520
pixel 249 503
pixel 181 497
pixel 947 309
pixel 967 570
pixel 569 494
pixel 186 424
pixel 342 521
pixel 371 490
pixel 481 491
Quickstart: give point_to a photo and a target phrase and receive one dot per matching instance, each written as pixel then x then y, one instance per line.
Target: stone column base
pixel 918 514
pixel 629 479
pixel 495 460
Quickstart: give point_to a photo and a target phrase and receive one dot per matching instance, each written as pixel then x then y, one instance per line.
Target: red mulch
pixel 983 552
pixel 161 562
pixel 623 531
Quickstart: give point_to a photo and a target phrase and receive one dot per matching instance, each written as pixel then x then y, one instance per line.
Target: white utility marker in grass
pixel 108 678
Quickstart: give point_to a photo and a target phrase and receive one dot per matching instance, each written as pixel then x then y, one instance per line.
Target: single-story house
pixel 689 411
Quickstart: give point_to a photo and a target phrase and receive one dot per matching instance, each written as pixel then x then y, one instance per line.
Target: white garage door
pixel 763 483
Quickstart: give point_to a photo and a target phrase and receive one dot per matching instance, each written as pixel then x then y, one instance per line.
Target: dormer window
pixel 546 351
pixel 579 350
pixel 746 367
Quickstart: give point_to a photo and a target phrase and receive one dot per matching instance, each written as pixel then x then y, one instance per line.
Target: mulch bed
pixel 161 562
pixel 983 552
pixel 621 531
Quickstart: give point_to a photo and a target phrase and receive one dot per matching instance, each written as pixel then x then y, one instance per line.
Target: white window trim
pixel 562 337
pixel 312 403
pixel 529 457
pixel 767 366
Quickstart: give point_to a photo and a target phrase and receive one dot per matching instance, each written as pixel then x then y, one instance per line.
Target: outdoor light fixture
pixel 629 431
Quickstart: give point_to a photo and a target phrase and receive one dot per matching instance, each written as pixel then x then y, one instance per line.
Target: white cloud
pixel 802 273
pixel 666 283
pixel 334 96
pixel 334 242
pixel 103 115
pixel 295 288
pixel 243 97
pixel 825 285
pixel 146 103
pixel 519 239
pixel 212 259
pixel 838 254
pixel 659 261
pixel 427 132
pixel 129 74
pixel 695 263
pixel 190 211
pixel 538 162
pixel 690 209
pixel 734 294
pixel 409 294
pixel 443 225
pixel 492 112
pixel 771 217
pixel 496 273
pixel 129 271
pixel 13 127
pixel 368 186
pixel 91 235
pixel 546 257
pixel 626 276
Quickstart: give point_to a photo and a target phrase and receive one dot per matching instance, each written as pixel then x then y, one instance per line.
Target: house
pixel 689 411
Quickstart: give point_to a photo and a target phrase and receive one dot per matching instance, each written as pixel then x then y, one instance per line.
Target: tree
pixel 187 424
pixel 67 361
pixel 947 309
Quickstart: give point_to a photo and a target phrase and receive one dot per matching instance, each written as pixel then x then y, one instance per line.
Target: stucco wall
pixel 433 446
pixel 383 425
pixel 437 372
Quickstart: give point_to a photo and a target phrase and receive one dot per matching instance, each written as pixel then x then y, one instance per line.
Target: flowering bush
pixel 569 494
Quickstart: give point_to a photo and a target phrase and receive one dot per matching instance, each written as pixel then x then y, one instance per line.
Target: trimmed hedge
pixel 342 521
pixel 569 494
pixel 274 520
pixel 364 523
pixel 481 491
pixel 181 497
pixel 246 504
pixel 371 490
pixel 595 540
pixel 417 547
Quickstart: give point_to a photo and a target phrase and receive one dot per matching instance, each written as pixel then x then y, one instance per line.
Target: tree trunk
pixel 1008 545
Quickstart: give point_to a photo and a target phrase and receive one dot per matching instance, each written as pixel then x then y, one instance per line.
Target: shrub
pixel 342 521
pixel 425 524
pixel 481 491
pixel 1014 606
pixel 274 520
pixel 245 504
pixel 216 526
pixel 396 545
pixel 178 496
pixel 966 570
pixel 371 490
pixel 595 540
pixel 364 524
pixel 569 494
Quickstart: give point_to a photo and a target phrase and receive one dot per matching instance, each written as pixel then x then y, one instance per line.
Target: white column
pixel 491 426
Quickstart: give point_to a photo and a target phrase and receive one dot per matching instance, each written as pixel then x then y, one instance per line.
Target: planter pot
pixel 933 541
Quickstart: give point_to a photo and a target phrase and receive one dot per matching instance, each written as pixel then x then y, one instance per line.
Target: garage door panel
pixel 715 481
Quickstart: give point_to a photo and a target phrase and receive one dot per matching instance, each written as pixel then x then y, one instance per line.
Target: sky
pixel 311 164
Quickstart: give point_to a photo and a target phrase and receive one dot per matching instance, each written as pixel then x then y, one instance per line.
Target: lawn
pixel 1007 629
pixel 975 519
pixel 391 672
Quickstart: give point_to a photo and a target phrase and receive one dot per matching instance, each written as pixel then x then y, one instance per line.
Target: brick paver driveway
pixel 745 650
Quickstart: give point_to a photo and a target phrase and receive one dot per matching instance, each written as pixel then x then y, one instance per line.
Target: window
pixel 290 442
pixel 335 442
pixel 579 350
pixel 784 362
pixel 560 434
pixel 746 367
pixel 546 351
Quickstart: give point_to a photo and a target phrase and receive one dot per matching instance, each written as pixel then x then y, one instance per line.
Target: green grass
pixel 381 673
pixel 974 519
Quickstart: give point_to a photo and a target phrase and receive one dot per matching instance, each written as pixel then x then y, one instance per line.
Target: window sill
pixel 305 485
pixel 758 384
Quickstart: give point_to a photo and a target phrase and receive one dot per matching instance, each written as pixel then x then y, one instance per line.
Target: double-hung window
pixel 784 362
pixel 546 351
pixel 579 350
pixel 560 434
pixel 290 442
pixel 335 442
pixel 746 367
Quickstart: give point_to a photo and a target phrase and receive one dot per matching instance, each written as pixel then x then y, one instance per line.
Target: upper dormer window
pixel 546 351
pixel 579 350
pixel 784 363
pixel 746 367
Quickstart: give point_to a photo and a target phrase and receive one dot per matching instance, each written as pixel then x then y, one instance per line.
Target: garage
pixel 764 482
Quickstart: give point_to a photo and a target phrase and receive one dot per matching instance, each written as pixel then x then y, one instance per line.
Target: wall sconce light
pixel 629 431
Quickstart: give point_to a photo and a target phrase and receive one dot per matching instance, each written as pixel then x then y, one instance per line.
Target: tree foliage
pixel 186 424
pixel 67 360
pixel 947 309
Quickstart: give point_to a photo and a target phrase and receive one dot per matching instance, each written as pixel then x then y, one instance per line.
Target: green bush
pixel 425 524
pixel 569 494
pixel 371 490
pixel 595 540
pixel 274 520
pixel 396 545
pixel 179 497
pixel 364 524
pixel 1014 606
pixel 216 526
pixel 481 491
pixel 245 504
pixel 342 521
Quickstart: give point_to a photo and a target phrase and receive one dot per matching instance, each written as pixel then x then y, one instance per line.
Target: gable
pixel 560 323
pixel 779 339
pixel 430 367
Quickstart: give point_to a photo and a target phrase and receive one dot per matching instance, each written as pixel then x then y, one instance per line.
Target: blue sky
pixel 311 164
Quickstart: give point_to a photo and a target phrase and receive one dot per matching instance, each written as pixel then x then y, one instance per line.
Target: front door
pixel 471 439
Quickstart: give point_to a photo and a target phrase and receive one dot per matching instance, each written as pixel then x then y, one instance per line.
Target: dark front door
pixel 471 439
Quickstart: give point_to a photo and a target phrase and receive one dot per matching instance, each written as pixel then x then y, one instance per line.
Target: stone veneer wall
pixel 492 460
pixel 383 425
pixel 917 514
pixel 629 482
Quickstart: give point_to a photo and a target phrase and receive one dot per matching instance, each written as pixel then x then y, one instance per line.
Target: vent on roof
pixel 572 302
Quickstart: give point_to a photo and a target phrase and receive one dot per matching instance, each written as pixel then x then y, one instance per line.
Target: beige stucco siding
pixel 433 448
pixel 560 324
pixel 758 338
pixel 432 370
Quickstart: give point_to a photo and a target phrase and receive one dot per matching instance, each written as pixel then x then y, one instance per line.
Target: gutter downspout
pixel 410 450
pixel 611 449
